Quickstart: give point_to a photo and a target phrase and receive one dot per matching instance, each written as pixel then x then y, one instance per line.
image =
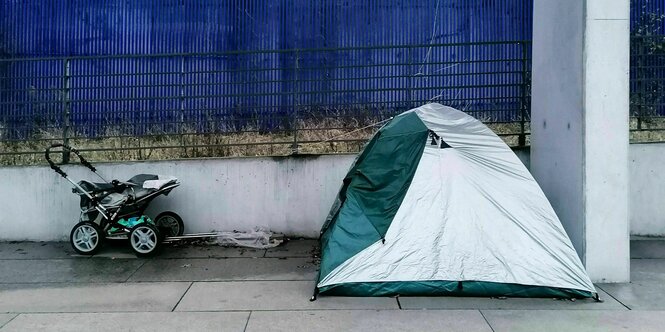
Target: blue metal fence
pixel 647 69
pixel 486 78
pixel 35 28
pixel 83 67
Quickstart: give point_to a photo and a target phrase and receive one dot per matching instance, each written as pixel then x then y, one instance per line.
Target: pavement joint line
pixel 486 321
pixel 18 313
pixel 148 281
pixel 182 296
pixel 247 322
pixel 137 269
pixel 615 299
pixel 147 260
pixel 43 259
pixel 99 312
pixel 9 321
pixel 298 310
pixel 512 309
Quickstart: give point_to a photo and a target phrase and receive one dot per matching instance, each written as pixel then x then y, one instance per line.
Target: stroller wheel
pixel 144 239
pixel 86 238
pixel 170 224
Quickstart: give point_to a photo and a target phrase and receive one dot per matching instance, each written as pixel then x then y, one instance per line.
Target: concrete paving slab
pixel 226 269
pixel 295 248
pixel 67 270
pixel 271 295
pixel 367 320
pixel 4 318
pixel 65 297
pixel 208 251
pixel 511 303
pixel 37 250
pixel 638 295
pixel 647 248
pixel 170 251
pixel 156 321
pixel 647 270
pixel 116 249
pixel 570 320
pixel 647 286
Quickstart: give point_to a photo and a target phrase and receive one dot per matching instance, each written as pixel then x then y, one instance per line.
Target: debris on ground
pixel 257 238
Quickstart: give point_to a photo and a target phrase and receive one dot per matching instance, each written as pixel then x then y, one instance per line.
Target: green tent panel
pixel 437 204
pixel 373 190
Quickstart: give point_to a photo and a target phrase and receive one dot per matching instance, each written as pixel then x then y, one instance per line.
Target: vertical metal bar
pixel 409 70
pixel 296 104
pixel 66 108
pixel 181 129
pixel 523 100
pixel 640 83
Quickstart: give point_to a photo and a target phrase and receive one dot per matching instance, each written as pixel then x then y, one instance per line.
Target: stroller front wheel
pixel 86 238
pixel 144 239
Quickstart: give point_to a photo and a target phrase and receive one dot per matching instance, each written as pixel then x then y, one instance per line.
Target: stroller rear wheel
pixel 86 238
pixel 144 239
pixel 170 224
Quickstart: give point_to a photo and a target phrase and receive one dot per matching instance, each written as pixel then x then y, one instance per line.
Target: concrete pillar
pixel 579 126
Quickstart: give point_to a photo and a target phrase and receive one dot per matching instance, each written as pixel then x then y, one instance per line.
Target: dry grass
pixel 116 145
pixel 652 130
pixel 312 140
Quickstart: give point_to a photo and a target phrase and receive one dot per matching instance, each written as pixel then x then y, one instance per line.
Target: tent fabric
pixel 451 288
pixel 373 189
pixel 462 216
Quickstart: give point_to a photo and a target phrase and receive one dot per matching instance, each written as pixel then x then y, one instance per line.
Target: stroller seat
pixel 138 187
pixel 145 184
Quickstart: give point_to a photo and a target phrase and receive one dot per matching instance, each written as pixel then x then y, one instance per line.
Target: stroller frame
pixel 107 218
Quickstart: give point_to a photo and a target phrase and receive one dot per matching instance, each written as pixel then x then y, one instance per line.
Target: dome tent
pixel 437 204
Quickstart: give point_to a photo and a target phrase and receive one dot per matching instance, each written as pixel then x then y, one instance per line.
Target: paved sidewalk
pixel 45 286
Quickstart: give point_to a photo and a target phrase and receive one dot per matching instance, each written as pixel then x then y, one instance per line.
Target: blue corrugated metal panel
pixel 647 73
pixel 647 16
pixel 257 89
pixel 83 27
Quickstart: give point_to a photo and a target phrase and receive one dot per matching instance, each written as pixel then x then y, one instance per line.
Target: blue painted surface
pixel 649 13
pixel 239 91
pixel 647 59
pixel 102 27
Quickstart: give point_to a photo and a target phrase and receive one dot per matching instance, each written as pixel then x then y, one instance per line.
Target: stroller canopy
pixel 437 204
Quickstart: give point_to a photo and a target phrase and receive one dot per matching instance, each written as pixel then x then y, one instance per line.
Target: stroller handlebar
pixel 56 168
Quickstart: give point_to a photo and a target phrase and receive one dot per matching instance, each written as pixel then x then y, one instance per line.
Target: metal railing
pixel 272 102
pixel 647 88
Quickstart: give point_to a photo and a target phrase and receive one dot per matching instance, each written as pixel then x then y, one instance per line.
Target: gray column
pixel 579 126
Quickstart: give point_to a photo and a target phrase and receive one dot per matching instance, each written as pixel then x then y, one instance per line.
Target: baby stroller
pixel 114 210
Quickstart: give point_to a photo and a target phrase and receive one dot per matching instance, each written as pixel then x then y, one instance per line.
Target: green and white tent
pixel 437 204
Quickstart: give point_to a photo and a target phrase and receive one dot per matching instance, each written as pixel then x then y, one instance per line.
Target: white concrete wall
pixel 647 189
pixel 579 127
pixel 557 116
pixel 290 195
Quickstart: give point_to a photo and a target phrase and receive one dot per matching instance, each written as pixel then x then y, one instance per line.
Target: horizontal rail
pixel 271 51
pixel 252 101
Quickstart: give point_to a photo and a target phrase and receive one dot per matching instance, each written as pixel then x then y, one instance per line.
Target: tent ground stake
pixel 313 298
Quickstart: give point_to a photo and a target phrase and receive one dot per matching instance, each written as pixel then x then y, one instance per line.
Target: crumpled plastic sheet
pixel 257 238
